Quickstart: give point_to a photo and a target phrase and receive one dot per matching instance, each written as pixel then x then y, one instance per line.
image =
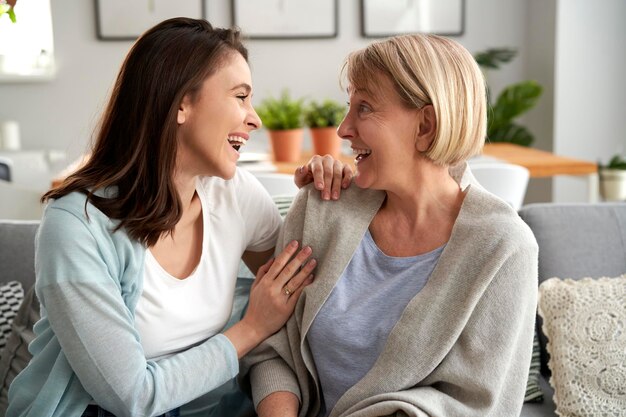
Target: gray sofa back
pixel 17 251
pixel 579 240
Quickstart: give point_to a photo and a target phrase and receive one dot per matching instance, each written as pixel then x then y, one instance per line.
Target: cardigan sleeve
pixel 271 366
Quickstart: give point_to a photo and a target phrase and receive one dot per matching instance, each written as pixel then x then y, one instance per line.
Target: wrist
pixel 252 330
pixel 244 336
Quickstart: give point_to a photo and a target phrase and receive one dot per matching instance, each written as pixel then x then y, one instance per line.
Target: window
pixel 26 46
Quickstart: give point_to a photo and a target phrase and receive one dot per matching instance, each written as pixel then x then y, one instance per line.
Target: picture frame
pixel 384 18
pixel 286 19
pixel 118 20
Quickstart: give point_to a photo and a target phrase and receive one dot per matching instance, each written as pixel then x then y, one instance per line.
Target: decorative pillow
pixel 15 355
pixel 533 390
pixel 585 323
pixel 11 295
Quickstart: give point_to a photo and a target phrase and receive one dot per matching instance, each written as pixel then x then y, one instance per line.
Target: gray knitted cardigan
pixel 462 346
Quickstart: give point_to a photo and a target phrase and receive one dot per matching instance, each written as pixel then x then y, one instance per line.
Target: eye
pixel 243 97
pixel 363 108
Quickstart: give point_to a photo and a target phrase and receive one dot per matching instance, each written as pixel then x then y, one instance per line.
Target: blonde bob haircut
pixel 429 69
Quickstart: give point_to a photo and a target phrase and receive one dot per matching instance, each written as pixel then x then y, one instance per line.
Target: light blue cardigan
pixel 86 342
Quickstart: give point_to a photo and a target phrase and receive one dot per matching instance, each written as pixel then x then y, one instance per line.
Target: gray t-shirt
pixel 350 330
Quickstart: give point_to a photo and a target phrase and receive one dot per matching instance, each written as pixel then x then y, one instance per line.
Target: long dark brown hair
pixel 135 147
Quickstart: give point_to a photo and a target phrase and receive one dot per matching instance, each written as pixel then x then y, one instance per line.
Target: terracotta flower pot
pixel 286 144
pixel 326 141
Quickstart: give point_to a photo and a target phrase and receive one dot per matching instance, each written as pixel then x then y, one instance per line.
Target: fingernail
pixel 312 263
pixel 335 195
pixel 326 195
pixel 294 243
pixel 319 185
pixel 307 250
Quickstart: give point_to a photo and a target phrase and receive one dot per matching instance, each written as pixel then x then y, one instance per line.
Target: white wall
pixel 590 85
pixel 540 46
pixel 61 114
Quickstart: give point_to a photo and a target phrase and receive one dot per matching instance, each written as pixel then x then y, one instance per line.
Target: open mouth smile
pixel 361 154
pixel 237 142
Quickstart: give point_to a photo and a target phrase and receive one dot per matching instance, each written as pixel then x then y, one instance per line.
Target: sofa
pixel 575 241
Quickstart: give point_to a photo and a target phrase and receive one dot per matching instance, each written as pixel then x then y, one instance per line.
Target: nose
pixel 253 121
pixel 345 129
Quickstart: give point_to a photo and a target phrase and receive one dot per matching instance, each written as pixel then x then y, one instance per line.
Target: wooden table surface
pixel 539 163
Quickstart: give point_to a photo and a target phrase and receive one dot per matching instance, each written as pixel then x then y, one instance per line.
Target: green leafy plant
pixel 281 113
pixel 7 7
pixel 616 162
pixel 328 113
pixel 511 103
pixel 494 57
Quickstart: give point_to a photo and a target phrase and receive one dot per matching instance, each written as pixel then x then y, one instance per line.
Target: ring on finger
pixel 287 291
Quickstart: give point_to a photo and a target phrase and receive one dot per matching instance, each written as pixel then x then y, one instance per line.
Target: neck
pixel 428 194
pixel 186 187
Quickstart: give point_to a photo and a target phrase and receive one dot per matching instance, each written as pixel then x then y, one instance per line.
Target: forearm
pixel 124 382
pixel 279 404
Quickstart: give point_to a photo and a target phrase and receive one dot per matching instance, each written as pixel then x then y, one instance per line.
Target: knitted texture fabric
pixel 462 346
pixel 585 322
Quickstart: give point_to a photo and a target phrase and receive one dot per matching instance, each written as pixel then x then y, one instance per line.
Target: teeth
pixel 236 142
pixel 361 151
pixel 237 139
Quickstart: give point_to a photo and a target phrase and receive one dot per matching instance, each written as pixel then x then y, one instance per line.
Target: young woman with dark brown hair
pixel 138 250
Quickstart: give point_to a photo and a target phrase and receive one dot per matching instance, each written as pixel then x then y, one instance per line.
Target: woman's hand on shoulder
pixel 273 297
pixel 329 175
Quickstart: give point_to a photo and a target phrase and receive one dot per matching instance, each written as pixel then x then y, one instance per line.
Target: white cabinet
pixel 34 170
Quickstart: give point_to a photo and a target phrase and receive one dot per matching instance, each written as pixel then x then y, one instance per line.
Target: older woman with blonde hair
pixel 425 296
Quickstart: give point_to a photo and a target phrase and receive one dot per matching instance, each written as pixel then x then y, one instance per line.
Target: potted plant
pixel 8 6
pixel 613 179
pixel 512 102
pixel 323 119
pixel 283 119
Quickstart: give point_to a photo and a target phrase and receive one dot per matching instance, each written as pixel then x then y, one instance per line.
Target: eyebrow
pixel 364 91
pixel 245 86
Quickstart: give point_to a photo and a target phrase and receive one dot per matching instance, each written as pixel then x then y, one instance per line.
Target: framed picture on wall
pixel 383 18
pixel 126 20
pixel 286 19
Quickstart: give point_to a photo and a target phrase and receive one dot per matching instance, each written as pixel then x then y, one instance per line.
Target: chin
pixel 361 182
pixel 226 172
pixel 230 174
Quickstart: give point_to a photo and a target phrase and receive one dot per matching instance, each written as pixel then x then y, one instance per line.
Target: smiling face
pixel 383 134
pixel 215 122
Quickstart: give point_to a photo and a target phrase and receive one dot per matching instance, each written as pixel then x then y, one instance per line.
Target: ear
pixel 183 110
pixel 427 128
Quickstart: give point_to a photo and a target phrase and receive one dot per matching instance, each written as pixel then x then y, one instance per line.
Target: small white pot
pixel 613 184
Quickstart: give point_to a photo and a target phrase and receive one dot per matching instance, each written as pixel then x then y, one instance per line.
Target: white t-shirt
pixel 172 314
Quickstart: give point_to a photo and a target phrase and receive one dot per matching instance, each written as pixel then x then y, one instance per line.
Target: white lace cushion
pixel 585 322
